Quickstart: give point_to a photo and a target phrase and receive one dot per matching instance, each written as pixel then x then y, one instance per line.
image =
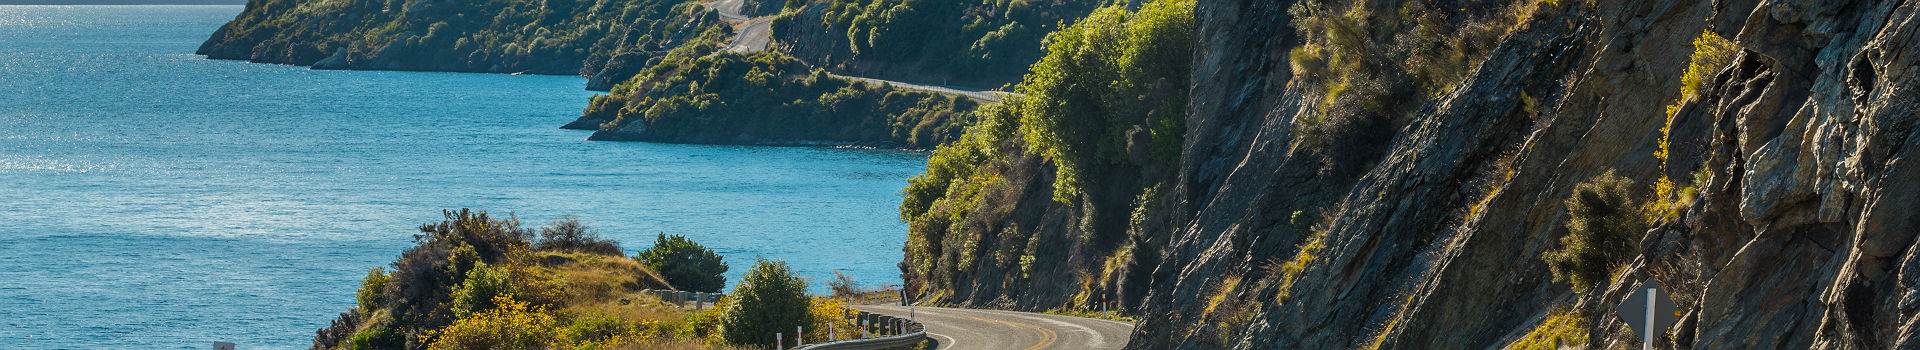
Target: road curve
pixel 754 35
pixel 994 329
pixel 977 94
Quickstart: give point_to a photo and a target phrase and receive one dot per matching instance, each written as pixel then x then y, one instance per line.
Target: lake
pixel 156 199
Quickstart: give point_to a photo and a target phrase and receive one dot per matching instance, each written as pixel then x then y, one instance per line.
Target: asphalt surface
pixel 993 329
pixel 754 36
pixel 977 94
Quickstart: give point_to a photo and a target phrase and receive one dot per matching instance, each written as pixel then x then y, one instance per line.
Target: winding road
pixel 994 329
pixel 754 35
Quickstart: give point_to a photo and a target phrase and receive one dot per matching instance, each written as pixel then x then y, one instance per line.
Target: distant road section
pixel 754 37
pixel 977 94
pixel 993 329
pixel 754 34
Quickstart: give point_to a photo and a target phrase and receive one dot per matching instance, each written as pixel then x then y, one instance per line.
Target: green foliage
pixel 772 98
pixel 378 336
pixel 1107 101
pixel 368 296
pixel 1101 78
pixel 685 264
pixel 548 37
pixel 1602 224
pixel 981 42
pixel 1365 61
pixel 769 299
pixel 477 292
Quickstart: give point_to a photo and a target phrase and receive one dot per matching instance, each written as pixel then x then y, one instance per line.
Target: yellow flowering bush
pixel 515 324
pixel 831 314
pixel 511 324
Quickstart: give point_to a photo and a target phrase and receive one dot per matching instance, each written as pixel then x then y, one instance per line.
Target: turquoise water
pixel 154 199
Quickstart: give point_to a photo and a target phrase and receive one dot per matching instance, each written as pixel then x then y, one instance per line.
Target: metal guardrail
pixel 699 299
pixel 898 332
pixel 907 333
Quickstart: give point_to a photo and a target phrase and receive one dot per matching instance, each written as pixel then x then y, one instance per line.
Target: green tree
pixel 1602 222
pixel 770 299
pixel 369 294
pixel 483 283
pixel 685 264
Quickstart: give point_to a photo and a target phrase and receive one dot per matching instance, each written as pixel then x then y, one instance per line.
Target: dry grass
pixel 595 285
pixel 679 344
pixel 1561 329
pixel 1284 274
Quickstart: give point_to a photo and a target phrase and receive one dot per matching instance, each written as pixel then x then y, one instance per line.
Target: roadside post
pixel 799 336
pixel 777 343
pixel 1648 311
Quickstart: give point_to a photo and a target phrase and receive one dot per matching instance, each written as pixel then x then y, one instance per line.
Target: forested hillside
pixel 646 52
pixel 978 43
pixel 769 98
pixel 606 40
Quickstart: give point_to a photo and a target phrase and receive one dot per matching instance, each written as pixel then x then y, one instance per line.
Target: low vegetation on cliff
pixel 769 98
pixel 477 282
pixel 605 40
pixel 1097 125
pixel 982 43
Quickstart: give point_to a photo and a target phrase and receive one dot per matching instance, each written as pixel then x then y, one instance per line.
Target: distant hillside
pixel 604 40
pixel 123 2
pixel 979 43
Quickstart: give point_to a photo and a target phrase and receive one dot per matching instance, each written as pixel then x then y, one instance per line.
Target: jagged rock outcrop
pixel 1801 235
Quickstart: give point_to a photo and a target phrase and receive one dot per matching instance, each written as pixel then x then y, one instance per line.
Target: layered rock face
pixel 1802 235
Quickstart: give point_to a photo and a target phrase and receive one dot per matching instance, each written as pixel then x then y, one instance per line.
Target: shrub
pixel 377 336
pixel 513 325
pixel 482 288
pixel 705 324
pixel 569 235
pixel 843 285
pixel 1602 222
pixel 369 296
pixel 1710 52
pixel 830 315
pixel 685 264
pixel 769 299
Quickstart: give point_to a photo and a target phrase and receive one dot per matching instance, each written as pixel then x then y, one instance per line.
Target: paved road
pixel 754 34
pixel 992 329
pixel 729 9
pixel 977 94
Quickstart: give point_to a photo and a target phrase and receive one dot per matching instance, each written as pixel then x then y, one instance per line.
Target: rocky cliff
pixel 1281 231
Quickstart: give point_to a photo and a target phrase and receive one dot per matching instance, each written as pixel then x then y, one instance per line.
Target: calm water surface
pixel 155 199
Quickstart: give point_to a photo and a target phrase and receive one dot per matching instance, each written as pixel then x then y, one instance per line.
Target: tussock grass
pixel 1563 328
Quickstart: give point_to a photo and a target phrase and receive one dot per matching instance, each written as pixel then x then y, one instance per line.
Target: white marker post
pixel 1648 313
pixel 777 343
pixel 799 336
pixel 1652 295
